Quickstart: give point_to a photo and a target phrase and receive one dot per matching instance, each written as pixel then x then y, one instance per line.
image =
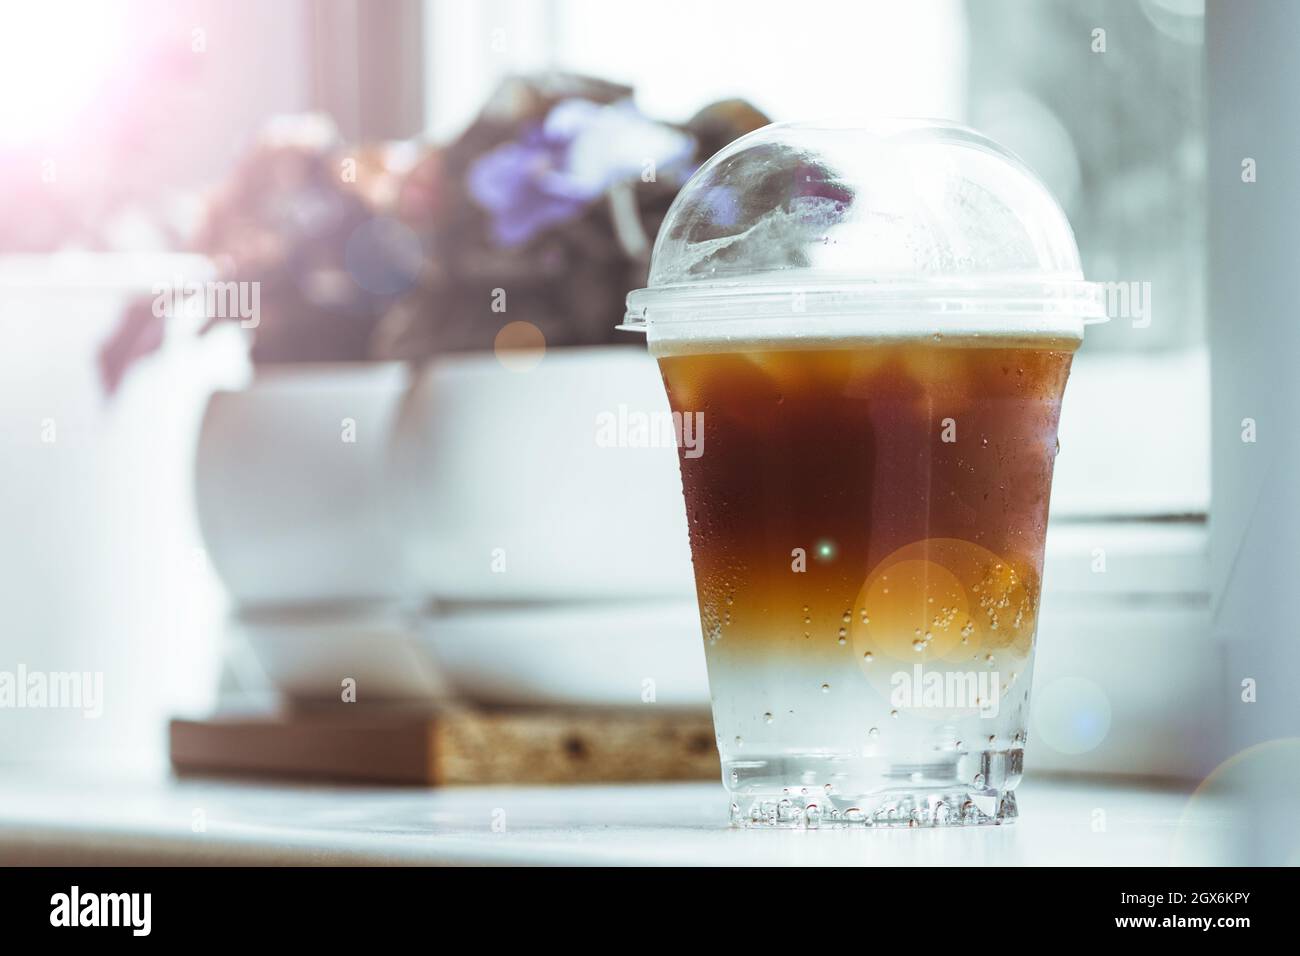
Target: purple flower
pixel 558 168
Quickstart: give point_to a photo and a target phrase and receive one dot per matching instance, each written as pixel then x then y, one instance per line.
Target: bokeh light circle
pixel 1071 715
pixel 1229 818
pixel 520 346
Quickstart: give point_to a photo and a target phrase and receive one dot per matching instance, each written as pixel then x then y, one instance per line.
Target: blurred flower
pixel 557 190
pixel 138 333
pixel 302 217
pixel 559 167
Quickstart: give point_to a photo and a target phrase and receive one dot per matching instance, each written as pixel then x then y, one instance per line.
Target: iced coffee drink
pixel 876 326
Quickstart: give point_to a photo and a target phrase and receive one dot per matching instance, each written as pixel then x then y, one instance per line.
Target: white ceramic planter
pixel 506 494
pixel 606 654
pixel 292 486
pixel 477 493
pixel 337 484
pixel 292 489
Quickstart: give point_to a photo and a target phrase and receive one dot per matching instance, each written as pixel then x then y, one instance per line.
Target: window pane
pixel 1105 101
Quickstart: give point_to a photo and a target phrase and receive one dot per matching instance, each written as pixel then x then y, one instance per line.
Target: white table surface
pixel 63 818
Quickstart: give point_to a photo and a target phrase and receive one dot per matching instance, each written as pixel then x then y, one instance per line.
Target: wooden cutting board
pixel 349 742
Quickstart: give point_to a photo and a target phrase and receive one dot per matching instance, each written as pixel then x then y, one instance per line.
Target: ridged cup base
pixel 906 808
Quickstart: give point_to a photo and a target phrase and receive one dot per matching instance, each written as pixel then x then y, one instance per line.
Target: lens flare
pixel 55 57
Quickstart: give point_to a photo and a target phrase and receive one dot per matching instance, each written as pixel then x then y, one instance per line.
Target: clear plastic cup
pixel 868 329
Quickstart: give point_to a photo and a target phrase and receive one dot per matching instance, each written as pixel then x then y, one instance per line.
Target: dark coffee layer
pixel 823 469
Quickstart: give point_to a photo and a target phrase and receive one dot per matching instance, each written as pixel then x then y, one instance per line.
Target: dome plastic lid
pixel 902 228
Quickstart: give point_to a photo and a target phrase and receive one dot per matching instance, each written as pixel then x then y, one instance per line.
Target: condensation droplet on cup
pixel 826 688
pixel 768 717
pixel 873 732
pixel 867 657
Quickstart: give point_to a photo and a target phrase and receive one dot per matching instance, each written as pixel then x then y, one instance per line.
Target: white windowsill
pixel 62 820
